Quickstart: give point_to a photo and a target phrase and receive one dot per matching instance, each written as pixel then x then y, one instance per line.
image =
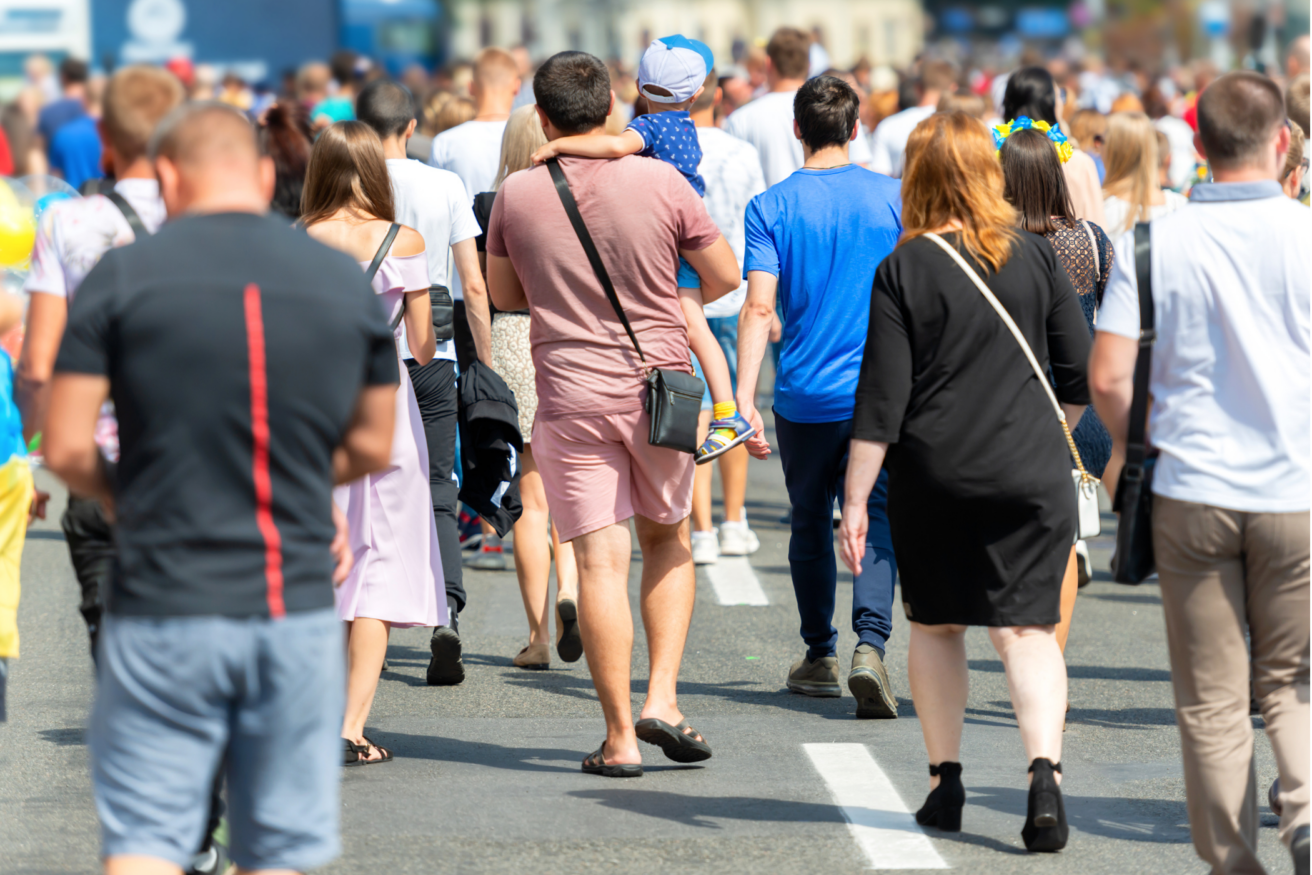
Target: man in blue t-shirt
pixel 814 240
pixel 75 152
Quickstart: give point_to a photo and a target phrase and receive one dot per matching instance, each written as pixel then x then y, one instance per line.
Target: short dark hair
pixel 386 106
pixel 789 50
pixel 826 112
pixel 1030 92
pixel 1034 182
pixel 1237 114
pixel 73 72
pixel 707 99
pixel 342 64
pixel 573 89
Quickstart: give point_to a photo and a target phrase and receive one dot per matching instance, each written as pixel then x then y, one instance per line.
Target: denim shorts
pixel 177 694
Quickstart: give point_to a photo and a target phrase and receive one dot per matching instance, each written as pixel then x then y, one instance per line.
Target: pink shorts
pixel 600 470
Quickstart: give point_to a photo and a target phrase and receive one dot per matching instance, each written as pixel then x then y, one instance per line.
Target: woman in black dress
pixel 981 504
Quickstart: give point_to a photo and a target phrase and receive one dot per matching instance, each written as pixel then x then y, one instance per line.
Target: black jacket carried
pixel 490 444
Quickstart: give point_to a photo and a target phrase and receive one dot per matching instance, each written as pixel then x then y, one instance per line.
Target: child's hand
pixel 37 510
pixel 546 153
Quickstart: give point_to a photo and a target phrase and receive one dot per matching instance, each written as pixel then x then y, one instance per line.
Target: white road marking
pixel 876 816
pixel 735 583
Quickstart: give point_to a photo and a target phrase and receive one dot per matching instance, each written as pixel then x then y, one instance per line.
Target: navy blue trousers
pixel 814 456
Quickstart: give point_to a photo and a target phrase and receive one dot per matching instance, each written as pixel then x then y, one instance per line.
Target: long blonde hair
pixel 522 138
pixel 1130 155
pixel 952 174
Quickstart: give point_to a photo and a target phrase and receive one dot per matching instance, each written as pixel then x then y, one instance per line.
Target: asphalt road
pixel 486 777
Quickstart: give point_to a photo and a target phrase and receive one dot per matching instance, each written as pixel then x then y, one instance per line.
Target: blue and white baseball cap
pixel 677 64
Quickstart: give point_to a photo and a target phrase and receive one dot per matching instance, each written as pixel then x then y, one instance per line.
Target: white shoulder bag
pixel 1086 485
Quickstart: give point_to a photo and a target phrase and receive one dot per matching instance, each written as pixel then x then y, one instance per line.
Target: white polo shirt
pixel 767 123
pixel 1230 375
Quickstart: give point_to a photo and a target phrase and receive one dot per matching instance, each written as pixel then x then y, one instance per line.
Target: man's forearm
pixel 753 337
pixel 480 323
pixel 32 395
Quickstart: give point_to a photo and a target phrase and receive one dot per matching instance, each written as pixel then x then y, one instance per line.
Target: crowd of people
pixel 966 282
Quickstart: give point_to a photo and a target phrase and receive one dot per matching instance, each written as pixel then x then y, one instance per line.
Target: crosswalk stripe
pixel 876 816
pixel 735 583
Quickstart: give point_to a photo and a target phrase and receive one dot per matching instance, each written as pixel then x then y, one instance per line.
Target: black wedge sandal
pixel 942 808
pixel 1045 819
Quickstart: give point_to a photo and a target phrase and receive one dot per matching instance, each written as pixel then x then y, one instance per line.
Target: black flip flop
pixel 570 645
pixel 681 743
pixel 595 764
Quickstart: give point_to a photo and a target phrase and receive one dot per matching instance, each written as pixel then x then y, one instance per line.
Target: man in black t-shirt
pixel 251 369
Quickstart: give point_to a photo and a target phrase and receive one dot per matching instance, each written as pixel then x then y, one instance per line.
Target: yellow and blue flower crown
pixel 1003 131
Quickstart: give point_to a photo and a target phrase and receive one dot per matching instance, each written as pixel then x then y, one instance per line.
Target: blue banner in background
pixel 258 39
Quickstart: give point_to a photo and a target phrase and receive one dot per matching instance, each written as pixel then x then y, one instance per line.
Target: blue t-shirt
pixel 12 445
pixel 823 233
pixel 338 109
pixel 75 151
pixel 55 115
pixel 672 137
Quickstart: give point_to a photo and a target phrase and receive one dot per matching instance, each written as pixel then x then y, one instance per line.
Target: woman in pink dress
pixel 397 579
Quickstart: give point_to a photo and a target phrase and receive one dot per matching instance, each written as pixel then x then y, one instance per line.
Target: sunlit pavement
pixel 486 775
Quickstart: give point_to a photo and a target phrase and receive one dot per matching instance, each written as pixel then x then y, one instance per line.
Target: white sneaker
pixel 705 548
pixel 737 539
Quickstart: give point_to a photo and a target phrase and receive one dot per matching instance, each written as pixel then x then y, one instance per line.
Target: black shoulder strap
pixel 1136 444
pixel 382 252
pixel 385 248
pixel 134 221
pixel 572 210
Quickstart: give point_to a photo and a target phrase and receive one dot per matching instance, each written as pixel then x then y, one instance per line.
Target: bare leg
pixel 669 586
pixel 1070 588
pixel 715 367
pixel 733 478
pixel 940 682
pixel 702 481
pixel 532 553
pixel 606 624
pixel 1036 676
pixel 567 570
pixel 366 648
pixel 135 864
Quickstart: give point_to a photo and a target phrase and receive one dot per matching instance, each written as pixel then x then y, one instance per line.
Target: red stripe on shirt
pixel 260 452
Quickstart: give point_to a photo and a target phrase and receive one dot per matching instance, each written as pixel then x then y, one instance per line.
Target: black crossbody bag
pixel 1134 560
pixel 439 298
pixel 674 399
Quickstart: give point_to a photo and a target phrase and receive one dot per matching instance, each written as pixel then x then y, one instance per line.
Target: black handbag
pixel 1133 561
pixel 674 399
pixel 444 313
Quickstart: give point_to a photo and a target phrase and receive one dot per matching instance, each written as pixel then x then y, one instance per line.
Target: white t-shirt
pixel 73 234
pixel 767 123
pixel 433 202
pixel 470 151
pixel 1116 211
pixel 1183 156
pixel 731 169
pixel 1230 370
pixel 889 143
pixel 70 240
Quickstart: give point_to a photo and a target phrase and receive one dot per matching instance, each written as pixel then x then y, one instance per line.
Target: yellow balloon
pixel 17 229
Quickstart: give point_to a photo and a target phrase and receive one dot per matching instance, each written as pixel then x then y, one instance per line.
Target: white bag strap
pixel 1085 476
pixel 1093 241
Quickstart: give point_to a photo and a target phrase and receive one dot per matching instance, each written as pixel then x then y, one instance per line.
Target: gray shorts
pixel 177 693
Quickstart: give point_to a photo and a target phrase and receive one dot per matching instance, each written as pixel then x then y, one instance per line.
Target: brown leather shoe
pixel 819 678
pixel 869 683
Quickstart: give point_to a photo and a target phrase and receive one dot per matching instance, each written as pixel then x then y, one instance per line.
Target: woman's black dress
pixel 980 499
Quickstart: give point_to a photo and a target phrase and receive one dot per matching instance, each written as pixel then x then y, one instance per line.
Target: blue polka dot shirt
pixel 672 137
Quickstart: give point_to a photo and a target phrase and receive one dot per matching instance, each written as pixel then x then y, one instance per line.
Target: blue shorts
pixel 688 278
pixel 175 694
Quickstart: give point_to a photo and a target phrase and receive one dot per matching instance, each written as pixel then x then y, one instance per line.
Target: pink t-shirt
pixel 640 212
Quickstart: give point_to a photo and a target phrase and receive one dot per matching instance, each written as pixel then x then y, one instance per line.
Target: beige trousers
pixel 1223 571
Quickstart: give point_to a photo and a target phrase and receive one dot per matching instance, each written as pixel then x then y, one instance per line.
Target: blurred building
pixel 883 31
